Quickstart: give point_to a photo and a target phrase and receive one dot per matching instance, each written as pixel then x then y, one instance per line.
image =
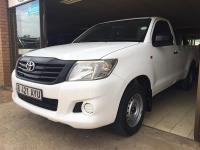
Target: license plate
pixel 29 91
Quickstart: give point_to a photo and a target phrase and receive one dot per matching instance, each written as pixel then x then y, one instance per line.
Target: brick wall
pixel 5 64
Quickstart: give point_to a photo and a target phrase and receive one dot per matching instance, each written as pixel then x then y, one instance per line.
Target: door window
pixel 28 27
pixel 162 33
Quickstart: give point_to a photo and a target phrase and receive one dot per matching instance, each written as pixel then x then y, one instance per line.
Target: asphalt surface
pixel 22 130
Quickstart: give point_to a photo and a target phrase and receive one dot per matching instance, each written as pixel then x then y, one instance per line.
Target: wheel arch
pixel 145 82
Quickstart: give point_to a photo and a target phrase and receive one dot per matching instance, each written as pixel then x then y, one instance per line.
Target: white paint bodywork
pixel 159 64
pixel 13 3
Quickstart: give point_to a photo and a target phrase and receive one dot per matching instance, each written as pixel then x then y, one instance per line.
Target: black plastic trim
pixel 77 107
pixel 46 103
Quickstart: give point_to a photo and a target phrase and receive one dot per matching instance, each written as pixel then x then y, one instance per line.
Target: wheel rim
pixel 134 110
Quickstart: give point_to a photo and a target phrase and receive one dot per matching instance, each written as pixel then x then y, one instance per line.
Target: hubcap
pixel 134 110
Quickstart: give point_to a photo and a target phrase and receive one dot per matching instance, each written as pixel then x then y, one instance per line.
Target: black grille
pixel 47 70
pixel 50 104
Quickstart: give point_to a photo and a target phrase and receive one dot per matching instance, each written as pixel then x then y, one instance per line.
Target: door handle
pixel 175 52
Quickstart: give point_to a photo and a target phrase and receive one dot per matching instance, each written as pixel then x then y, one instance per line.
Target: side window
pixel 162 35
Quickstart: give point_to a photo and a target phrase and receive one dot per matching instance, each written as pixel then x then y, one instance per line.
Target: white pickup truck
pixel 108 75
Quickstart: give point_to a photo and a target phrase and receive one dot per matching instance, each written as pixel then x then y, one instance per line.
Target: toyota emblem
pixel 30 66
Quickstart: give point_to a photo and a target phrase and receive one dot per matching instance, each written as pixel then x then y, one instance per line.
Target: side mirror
pixel 162 40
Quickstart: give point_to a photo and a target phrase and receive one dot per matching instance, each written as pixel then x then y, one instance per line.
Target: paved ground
pixel 174 111
pixel 22 130
pixel 5 95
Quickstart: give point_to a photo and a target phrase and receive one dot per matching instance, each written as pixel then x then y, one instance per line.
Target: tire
pixel 189 82
pixel 131 110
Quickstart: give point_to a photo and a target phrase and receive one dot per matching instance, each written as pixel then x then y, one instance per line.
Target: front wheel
pixel 131 111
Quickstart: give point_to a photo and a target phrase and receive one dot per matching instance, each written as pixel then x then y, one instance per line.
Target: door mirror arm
pixel 162 40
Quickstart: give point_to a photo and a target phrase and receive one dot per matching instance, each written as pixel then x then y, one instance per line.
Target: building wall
pixel 5 64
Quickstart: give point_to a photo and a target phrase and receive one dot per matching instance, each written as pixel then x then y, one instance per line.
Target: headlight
pixel 91 70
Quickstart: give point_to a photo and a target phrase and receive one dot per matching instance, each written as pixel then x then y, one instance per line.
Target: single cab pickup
pixel 107 76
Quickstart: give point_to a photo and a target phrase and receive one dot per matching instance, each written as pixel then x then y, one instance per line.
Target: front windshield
pixel 120 31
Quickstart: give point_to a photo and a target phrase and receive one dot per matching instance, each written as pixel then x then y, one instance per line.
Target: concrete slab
pixel 5 95
pixel 22 130
pixel 173 111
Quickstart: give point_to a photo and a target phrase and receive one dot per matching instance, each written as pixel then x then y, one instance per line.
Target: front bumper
pixel 104 95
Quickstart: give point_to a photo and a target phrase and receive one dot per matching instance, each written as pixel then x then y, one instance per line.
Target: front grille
pixel 50 104
pixel 46 71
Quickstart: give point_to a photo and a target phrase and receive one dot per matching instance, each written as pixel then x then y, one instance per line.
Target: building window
pixel 28 27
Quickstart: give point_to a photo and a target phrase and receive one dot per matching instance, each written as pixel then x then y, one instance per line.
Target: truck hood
pixel 81 51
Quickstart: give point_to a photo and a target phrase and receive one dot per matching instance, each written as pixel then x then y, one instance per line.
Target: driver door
pixel 164 59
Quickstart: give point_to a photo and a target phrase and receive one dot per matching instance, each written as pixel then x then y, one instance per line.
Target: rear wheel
pixel 189 82
pixel 131 110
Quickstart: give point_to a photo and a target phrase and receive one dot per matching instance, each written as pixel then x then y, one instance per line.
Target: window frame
pixel 170 28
